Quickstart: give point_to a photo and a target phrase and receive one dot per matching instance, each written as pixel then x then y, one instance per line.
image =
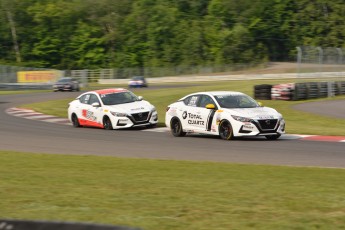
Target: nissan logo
pixel 268 122
pixel 140 115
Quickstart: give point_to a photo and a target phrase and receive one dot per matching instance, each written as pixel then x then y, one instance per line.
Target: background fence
pixel 317 60
pixel 320 60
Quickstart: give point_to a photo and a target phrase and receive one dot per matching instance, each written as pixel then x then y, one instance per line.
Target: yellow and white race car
pixel 228 114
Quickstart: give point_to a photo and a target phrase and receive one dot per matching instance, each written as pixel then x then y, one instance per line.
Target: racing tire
pixel 272 137
pixel 176 128
pixel 107 123
pixel 225 130
pixel 75 121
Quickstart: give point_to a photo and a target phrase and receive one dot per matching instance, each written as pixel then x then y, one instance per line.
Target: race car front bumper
pixel 260 127
pixel 135 120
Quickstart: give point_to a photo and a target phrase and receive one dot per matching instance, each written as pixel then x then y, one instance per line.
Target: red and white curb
pixel 30 114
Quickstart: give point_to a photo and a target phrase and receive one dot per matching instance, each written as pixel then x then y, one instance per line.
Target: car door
pixel 206 114
pixel 89 114
pixel 195 115
pixel 187 110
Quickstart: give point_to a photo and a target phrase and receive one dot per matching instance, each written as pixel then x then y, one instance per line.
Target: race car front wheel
pixel 225 130
pixel 75 121
pixel 107 123
pixel 176 128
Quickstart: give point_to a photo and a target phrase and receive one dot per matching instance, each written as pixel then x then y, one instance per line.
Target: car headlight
pixel 116 114
pixel 242 119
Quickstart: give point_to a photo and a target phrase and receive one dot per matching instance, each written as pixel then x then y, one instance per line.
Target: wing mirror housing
pixel 140 98
pixel 261 104
pixel 96 104
pixel 210 106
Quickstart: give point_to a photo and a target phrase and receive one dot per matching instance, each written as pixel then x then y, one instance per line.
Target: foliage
pixel 78 34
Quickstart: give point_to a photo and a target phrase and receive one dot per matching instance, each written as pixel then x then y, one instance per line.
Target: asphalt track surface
pixel 334 109
pixel 18 134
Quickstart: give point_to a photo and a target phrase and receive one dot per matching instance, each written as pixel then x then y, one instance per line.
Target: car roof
pixel 65 78
pixel 215 93
pixel 109 91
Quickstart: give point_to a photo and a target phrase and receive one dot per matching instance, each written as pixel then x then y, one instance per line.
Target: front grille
pixel 268 124
pixel 138 117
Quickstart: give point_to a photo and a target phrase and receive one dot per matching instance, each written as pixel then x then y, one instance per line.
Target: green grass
pixel 297 121
pixel 11 92
pixel 158 194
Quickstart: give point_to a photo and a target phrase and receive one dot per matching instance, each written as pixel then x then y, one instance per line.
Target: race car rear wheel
pixel 272 137
pixel 107 123
pixel 75 121
pixel 176 128
pixel 225 130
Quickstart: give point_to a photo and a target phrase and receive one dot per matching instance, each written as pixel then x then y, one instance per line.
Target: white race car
pixel 137 82
pixel 225 113
pixel 111 109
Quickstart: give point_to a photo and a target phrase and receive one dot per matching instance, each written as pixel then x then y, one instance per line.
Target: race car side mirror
pixel 140 98
pixel 260 104
pixel 210 106
pixel 95 104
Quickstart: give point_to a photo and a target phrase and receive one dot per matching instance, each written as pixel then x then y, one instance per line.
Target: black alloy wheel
pixel 225 130
pixel 75 121
pixel 107 123
pixel 176 128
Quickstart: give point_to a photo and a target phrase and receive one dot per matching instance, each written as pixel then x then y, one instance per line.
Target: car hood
pixel 255 113
pixel 133 107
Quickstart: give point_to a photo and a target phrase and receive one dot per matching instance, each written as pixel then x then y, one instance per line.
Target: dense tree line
pixel 77 34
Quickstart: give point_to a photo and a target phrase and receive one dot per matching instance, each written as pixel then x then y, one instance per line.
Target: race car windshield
pixel 64 80
pixel 236 101
pixel 118 98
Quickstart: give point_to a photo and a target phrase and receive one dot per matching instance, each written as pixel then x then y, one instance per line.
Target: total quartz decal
pixel 193 119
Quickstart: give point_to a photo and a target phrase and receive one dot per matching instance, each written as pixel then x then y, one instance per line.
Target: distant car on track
pixel 111 109
pixel 228 114
pixel 137 82
pixel 66 84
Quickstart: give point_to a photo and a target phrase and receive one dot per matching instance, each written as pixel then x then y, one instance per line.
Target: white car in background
pixel 225 113
pixel 111 109
pixel 137 82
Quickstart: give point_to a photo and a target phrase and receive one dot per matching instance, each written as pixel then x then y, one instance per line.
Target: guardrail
pixel 24 86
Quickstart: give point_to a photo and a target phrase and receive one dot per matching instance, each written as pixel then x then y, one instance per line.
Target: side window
pixel 191 101
pixel 205 100
pixel 186 100
pixel 93 99
pixel 84 99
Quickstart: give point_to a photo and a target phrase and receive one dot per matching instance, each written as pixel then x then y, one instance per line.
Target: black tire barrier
pixel 262 92
pixel 45 225
pixel 341 85
pixel 299 91
pixel 323 89
pixel 339 88
pixel 312 90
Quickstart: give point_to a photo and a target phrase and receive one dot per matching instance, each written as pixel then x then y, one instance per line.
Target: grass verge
pixel 297 121
pixel 158 194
